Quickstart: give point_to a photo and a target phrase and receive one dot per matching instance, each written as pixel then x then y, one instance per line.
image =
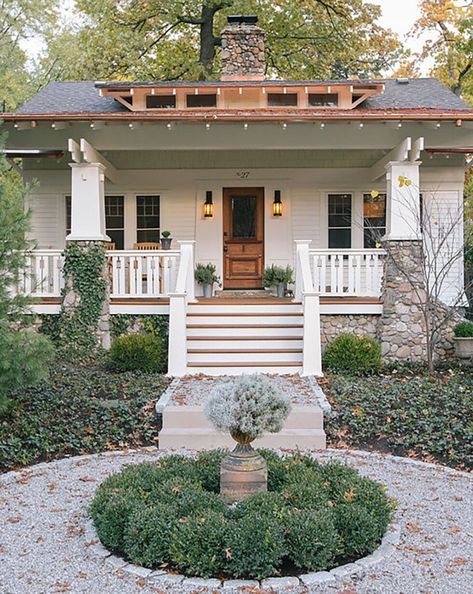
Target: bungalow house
pixel 246 172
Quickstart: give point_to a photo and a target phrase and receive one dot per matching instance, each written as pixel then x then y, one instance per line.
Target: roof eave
pixel 245 116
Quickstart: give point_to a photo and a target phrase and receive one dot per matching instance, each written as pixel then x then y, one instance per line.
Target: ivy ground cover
pixel 80 410
pixel 405 412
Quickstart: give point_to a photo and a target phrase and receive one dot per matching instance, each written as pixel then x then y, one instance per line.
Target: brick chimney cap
pixel 242 20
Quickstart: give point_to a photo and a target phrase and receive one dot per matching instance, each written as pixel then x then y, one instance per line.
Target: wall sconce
pixel 208 205
pixel 277 204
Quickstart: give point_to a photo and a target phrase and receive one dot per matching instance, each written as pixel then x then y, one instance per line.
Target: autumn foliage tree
pixel 447 27
pixel 158 39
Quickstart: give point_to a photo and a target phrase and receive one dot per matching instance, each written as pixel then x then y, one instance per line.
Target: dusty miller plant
pixel 250 405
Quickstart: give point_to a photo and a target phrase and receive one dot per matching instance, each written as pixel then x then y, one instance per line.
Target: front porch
pixel 141 281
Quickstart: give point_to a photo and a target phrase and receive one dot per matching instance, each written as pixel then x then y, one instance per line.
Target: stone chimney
pixel 242 49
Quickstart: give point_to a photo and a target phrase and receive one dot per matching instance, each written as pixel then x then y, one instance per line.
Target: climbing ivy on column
pixel 83 298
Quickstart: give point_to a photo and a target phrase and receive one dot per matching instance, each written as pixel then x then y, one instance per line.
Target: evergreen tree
pixel 24 355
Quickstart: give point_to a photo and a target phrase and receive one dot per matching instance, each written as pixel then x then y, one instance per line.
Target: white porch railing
pixel 305 291
pixel 42 276
pixel 143 273
pixel 347 272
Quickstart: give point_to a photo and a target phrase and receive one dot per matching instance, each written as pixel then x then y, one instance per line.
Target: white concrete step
pixel 244 319
pixel 203 439
pixel 231 309
pixel 193 417
pixel 236 368
pixel 242 356
pixel 247 343
pixel 251 330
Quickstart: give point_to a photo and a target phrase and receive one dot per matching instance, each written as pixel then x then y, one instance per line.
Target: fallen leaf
pixel 412 527
pixel 458 562
pixel 454 530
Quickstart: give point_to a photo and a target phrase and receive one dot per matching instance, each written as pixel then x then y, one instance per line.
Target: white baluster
pixel 351 275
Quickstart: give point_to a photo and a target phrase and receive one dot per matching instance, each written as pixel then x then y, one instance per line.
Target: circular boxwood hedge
pixel 314 517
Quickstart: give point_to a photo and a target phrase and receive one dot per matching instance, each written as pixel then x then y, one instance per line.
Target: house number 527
pixel 243 174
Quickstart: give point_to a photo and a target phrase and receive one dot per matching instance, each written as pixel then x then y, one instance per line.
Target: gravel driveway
pixel 43 548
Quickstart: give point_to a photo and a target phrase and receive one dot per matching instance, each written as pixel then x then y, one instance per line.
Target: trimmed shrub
pixel 353 354
pixel 198 544
pixel 147 535
pixel 197 502
pixel 358 529
pixel 463 330
pixel 270 505
pixel 169 513
pixel 310 495
pixel 111 512
pixel 207 468
pixel 137 352
pixel 256 546
pixel 312 539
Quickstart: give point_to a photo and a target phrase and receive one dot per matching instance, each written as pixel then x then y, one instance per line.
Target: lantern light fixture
pixel 208 205
pixel 277 204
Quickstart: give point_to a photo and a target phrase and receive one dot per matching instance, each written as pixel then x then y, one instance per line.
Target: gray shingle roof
pixel 83 96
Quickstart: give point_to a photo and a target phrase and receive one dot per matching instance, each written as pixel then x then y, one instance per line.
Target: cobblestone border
pixel 274 584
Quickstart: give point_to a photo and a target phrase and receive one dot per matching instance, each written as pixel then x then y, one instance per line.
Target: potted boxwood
pixel 279 277
pixel 463 339
pixel 166 240
pixel 205 275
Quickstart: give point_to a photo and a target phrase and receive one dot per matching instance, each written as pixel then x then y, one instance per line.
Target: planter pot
pixel 166 243
pixel 208 290
pixel 464 347
pixel 243 472
pixel 281 289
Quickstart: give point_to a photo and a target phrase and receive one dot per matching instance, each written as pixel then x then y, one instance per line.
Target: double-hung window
pixel 374 219
pixel 339 220
pixel 147 219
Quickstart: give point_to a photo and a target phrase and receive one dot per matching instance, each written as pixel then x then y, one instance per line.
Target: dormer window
pixel 282 99
pixel 160 101
pixel 323 99
pixel 207 100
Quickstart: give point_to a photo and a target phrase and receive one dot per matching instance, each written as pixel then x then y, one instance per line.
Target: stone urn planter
pixel 463 347
pixel 206 275
pixel 243 472
pixel 245 407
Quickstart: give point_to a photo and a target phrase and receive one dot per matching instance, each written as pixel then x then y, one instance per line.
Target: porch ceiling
pixel 223 159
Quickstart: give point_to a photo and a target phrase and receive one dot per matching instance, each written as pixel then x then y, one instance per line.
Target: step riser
pixel 244 309
pixel 241 332
pixel 244 320
pixel 304 439
pixel 262 345
pixel 215 371
pixel 242 357
pixel 177 418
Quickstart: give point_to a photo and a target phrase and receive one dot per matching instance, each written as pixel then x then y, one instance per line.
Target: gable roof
pixel 415 97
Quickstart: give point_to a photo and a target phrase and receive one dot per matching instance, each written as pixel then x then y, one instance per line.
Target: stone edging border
pixel 166 396
pixel 357 569
pixel 320 395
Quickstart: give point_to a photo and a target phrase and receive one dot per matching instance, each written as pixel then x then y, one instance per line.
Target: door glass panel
pixel 244 217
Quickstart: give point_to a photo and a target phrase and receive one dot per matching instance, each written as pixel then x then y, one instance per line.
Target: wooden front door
pixel 243 238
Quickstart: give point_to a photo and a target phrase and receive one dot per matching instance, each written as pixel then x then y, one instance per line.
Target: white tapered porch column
pixel 403 201
pixel 87 203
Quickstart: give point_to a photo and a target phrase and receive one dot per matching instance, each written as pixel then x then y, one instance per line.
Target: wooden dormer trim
pixel 246 96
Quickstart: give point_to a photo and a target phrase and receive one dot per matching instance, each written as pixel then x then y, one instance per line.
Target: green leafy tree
pixel 159 39
pixel 24 355
pixel 21 20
